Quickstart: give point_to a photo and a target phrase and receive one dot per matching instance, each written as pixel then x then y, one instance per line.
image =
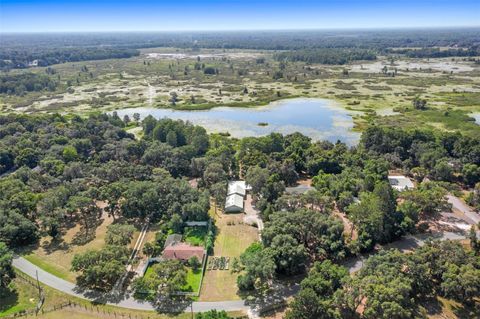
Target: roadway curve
pixel 405 244
pixel 129 302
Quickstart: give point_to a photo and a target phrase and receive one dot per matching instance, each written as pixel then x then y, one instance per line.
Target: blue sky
pixel 150 15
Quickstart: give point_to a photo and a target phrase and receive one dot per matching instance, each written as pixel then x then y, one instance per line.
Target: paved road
pixel 129 302
pixel 459 205
pixel 355 264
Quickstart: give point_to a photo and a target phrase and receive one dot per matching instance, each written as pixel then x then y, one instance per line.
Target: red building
pixel 183 251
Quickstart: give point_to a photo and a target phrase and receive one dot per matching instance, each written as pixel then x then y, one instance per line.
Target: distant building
pixel 400 182
pixel 183 251
pixel 300 189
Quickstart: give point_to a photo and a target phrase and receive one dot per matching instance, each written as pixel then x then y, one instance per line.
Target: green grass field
pixel 193 280
pixel 195 235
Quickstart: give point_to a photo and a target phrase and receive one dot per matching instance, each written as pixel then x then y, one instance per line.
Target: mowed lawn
pixel 233 237
pixel 56 258
pixel 193 279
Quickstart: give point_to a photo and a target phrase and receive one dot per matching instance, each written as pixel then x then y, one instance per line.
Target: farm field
pixel 233 237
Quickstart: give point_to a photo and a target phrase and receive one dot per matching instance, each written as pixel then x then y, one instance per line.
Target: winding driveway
pixel 459 205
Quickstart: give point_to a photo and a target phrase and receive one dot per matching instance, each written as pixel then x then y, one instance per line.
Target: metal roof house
pixel 400 183
pixel 236 192
pixel 238 187
pixel 234 203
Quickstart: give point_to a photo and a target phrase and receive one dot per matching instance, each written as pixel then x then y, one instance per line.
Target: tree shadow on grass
pixel 87 231
pixel 8 298
pixel 54 245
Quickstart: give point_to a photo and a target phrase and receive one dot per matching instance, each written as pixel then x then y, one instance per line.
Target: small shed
pixel 400 182
pixel 234 203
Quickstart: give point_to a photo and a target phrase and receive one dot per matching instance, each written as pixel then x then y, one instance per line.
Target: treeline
pixel 326 56
pixel 56 170
pixel 437 52
pixel 18 58
pixel 442 156
pixel 270 40
pixel 390 285
pixel 19 84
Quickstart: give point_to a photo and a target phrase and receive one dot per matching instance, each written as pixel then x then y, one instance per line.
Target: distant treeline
pixel 438 53
pixel 326 56
pixel 18 84
pixel 25 57
pixel 18 50
pixel 268 40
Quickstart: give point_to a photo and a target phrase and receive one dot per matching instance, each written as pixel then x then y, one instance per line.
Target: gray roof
pixel 237 187
pixel 300 189
pixel 172 240
pixel 234 200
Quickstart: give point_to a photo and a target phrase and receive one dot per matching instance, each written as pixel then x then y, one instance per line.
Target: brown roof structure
pixel 183 251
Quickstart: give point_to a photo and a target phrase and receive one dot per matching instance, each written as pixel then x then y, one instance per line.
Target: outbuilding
pixel 234 203
pixel 400 183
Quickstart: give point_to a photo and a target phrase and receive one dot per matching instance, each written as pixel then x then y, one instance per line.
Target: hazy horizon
pixel 51 16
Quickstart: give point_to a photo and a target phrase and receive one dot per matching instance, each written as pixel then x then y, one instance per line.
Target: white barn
pixel 236 192
pixel 234 203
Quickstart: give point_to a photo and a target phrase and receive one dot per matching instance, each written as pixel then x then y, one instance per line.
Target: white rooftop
pixel 234 200
pixel 237 187
pixel 400 182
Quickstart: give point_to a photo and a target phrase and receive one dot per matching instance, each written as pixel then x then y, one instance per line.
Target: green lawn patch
pixel 195 235
pixel 48 267
pixel 194 278
pixel 20 297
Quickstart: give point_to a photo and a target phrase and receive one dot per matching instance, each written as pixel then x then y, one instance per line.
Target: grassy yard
pixel 22 296
pixel 442 308
pixel 55 257
pixel 195 235
pixel 233 237
pixel 193 279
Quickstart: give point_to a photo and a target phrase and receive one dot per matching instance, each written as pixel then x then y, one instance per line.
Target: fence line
pixel 91 309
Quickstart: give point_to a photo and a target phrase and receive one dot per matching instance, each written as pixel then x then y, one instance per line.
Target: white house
pixel 400 182
pixel 236 192
pixel 238 187
pixel 234 203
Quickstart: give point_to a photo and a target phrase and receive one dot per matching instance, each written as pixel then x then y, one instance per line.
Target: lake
pixel 319 119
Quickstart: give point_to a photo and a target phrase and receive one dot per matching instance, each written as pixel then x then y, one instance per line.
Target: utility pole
pixel 38 286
